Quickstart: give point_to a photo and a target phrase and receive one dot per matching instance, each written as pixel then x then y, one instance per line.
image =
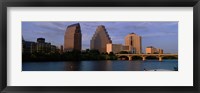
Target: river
pixel 107 65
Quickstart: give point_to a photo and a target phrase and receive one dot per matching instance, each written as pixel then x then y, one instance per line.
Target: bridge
pixel 143 56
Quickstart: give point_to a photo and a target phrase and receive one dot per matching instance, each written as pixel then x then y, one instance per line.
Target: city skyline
pixel 158 34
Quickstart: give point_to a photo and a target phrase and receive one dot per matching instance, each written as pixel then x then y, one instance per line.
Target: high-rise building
pixel 100 39
pixel 134 42
pixel 72 38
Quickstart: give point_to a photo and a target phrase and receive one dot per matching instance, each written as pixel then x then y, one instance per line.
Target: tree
pixel 95 52
pixel 123 52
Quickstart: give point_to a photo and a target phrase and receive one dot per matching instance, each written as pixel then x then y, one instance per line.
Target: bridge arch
pixel 135 57
pixel 170 57
pixel 151 57
pixel 123 58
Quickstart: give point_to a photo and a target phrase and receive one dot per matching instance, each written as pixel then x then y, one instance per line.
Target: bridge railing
pixel 160 56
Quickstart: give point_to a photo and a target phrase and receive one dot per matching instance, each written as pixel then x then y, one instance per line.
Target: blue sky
pixel 158 34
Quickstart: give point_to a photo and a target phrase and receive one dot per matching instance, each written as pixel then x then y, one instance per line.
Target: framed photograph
pixel 99 46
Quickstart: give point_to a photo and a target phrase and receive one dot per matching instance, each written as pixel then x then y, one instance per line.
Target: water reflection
pixel 108 65
pixel 72 66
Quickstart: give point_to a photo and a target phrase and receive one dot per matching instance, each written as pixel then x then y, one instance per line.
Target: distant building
pixel 100 39
pixel 72 38
pixel 134 42
pixel 153 50
pixel 116 48
pixel 40 46
pixel 61 49
pixel 23 44
pixel 29 47
pixel 53 49
pixel 125 48
pixel 41 40
pixel 160 51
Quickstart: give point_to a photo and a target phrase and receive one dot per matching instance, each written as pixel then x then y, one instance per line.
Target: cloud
pixel 142 26
pixel 117 39
pixel 86 38
pixel 59 24
pixel 51 26
pixel 159 35
pixel 85 46
pixel 89 24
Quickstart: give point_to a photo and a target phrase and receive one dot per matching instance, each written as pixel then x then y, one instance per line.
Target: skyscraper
pixel 72 38
pixel 134 42
pixel 100 39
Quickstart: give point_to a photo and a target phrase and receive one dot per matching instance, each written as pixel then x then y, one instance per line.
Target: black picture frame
pixel 100 3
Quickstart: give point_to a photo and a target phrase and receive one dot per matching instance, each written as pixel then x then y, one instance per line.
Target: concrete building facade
pixel 160 51
pixel 116 48
pixel 153 50
pixel 134 42
pixel 100 39
pixel 125 48
pixel 73 38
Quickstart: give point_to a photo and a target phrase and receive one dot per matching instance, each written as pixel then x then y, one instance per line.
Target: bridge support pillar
pixel 160 59
pixel 143 58
pixel 129 57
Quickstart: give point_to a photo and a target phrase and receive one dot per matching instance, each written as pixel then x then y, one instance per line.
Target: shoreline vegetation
pixel 75 56
pixel 68 56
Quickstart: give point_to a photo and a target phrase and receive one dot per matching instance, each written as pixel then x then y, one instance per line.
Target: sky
pixel 162 35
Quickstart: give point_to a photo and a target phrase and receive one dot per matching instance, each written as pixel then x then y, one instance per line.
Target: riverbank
pixel 77 56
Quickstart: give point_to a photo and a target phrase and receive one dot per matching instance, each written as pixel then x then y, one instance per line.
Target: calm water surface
pixel 107 65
